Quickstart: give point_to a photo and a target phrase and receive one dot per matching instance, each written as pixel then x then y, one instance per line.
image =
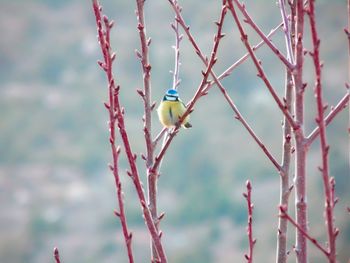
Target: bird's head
pixel 171 95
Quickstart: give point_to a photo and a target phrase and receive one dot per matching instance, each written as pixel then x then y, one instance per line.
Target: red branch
pixel 261 73
pixel 302 231
pixel 226 73
pixel 250 21
pixel 117 116
pixel 200 89
pixel 347 31
pixel 146 68
pixel 250 207
pixel 329 196
pixel 56 255
pixel 342 104
pixel 152 178
pixel 104 39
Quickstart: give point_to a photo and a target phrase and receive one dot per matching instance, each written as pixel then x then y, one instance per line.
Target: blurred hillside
pixel 55 186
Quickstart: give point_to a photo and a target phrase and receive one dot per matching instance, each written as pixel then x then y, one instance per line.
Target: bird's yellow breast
pixel 169 113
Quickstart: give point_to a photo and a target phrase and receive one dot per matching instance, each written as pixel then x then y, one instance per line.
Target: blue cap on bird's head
pixel 172 93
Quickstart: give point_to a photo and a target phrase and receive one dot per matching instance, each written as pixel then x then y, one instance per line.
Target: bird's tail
pixel 187 125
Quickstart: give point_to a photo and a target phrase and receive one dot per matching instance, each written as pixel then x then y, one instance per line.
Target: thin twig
pixel 56 255
pixel 250 206
pixel 178 38
pixel 329 198
pixel 261 73
pixel 302 231
pixel 347 31
pixel 159 137
pixel 104 40
pixel 342 104
pixel 287 32
pixel 251 22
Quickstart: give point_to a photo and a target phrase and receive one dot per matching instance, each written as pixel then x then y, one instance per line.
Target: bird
pixel 171 109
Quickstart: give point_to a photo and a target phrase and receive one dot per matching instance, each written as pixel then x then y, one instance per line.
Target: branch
pixel 329 196
pixel 261 74
pixel 250 207
pixel 285 188
pixel 250 21
pixel 104 39
pixel 300 148
pixel 287 32
pixel 56 255
pixel 152 178
pixel 159 137
pixel 216 81
pixel 117 115
pixel 342 104
pixel 178 38
pixel 302 231
pixel 199 92
pixel 146 94
pixel 347 32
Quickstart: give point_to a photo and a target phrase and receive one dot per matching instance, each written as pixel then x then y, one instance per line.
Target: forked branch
pixel 342 104
pixel 303 232
pixel 227 72
pixel 261 73
pixel 268 42
pixel 117 116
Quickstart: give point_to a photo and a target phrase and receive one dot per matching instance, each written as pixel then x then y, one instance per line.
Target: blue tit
pixel 171 109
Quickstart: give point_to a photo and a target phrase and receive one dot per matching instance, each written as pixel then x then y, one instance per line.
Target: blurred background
pixel 55 186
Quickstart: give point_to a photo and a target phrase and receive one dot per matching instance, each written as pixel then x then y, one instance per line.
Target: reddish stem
pixel 347 31
pixel 342 104
pixel 56 255
pixel 302 231
pixel 104 39
pixel 146 68
pixel 250 206
pixel 152 178
pixel 329 197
